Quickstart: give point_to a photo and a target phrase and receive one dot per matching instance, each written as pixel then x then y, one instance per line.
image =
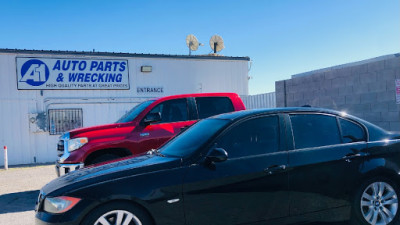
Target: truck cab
pixel 146 126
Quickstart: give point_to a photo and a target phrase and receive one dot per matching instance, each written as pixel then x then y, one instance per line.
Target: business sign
pixel 397 91
pixel 76 74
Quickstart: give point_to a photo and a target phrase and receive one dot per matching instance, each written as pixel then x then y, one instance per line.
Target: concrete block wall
pixel 364 89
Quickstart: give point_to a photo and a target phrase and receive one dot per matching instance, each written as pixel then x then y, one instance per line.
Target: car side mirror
pixel 152 118
pixel 217 155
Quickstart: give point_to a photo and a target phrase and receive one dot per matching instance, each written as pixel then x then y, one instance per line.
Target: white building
pixel 44 93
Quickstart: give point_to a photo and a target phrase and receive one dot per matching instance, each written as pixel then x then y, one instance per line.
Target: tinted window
pixel 252 137
pixel 134 112
pixel 314 130
pixel 172 111
pixel 210 106
pixel 351 132
pixel 193 138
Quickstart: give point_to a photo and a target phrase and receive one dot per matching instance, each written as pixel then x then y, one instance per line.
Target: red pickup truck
pixel 146 126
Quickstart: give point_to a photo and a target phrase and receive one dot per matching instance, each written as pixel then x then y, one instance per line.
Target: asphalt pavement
pixel 19 189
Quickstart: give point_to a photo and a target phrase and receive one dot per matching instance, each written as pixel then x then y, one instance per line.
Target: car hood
pixel 102 130
pixel 88 176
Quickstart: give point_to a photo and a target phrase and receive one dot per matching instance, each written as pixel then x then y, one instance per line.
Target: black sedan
pixel 273 166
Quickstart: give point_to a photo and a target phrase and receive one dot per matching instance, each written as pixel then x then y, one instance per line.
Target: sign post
pixel 5 158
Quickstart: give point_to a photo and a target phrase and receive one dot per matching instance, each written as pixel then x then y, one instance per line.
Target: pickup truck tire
pixel 104 158
pixel 117 213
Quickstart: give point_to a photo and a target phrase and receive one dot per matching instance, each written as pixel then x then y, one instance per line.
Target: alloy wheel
pixel 379 203
pixel 118 217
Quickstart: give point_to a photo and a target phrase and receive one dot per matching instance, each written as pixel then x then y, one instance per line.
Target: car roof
pixel 245 113
pixel 375 132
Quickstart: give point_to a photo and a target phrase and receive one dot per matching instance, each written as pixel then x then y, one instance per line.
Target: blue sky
pixel 282 37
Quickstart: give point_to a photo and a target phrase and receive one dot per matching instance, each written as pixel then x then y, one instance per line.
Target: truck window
pixel 210 106
pixel 172 111
pixel 134 112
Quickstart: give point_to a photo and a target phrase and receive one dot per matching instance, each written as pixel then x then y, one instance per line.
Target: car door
pixel 325 162
pixel 252 185
pixel 174 116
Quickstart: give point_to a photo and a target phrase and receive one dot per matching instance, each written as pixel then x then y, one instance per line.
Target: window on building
pixel 63 120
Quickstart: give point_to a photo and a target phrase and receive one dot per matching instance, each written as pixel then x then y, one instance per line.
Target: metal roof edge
pixel 120 54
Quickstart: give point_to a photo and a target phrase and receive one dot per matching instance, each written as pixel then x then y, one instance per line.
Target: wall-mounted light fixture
pixel 145 69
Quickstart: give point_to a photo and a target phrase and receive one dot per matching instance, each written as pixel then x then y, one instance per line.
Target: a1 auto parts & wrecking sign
pixel 62 74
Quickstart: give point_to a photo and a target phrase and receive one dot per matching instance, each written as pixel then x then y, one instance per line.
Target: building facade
pixel 45 93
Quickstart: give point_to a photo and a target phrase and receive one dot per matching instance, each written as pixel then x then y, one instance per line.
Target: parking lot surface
pixel 19 188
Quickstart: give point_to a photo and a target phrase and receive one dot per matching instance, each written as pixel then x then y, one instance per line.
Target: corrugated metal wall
pixel 26 144
pixel 266 100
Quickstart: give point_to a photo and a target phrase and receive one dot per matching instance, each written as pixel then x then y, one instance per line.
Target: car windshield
pixel 193 138
pixel 134 112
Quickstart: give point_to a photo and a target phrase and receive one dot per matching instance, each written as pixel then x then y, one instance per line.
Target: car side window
pixel 351 132
pixel 314 130
pixel 251 137
pixel 210 106
pixel 172 111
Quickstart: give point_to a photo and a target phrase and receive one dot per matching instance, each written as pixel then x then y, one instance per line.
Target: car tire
pixel 117 213
pixel 376 203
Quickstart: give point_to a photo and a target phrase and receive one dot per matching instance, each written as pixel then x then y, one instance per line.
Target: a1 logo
pixel 34 72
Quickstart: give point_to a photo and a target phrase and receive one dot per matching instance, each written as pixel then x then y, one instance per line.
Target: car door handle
pixel 275 169
pixel 351 156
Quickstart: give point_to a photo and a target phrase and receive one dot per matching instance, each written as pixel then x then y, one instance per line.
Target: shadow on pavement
pixel 18 202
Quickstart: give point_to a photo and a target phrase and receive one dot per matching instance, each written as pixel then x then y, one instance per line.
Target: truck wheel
pixel 117 213
pixel 104 158
pixel 376 203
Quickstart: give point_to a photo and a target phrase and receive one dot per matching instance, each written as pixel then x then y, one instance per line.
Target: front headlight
pixel 59 204
pixel 76 143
